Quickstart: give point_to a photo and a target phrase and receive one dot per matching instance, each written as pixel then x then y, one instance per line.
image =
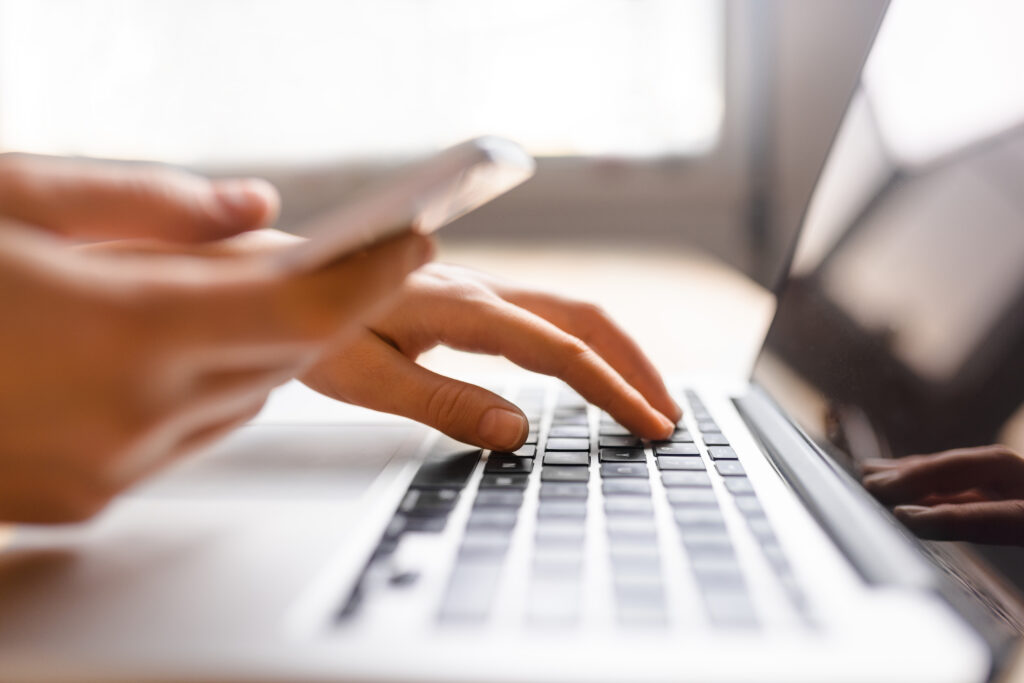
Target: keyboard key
pixel 497 498
pixel 427 525
pixel 698 517
pixel 567 445
pixel 637 470
pixel 739 486
pixel 564 473
pixel 618 442
pixel 526 450
pixel 508 464
pixel 691 496
pixel 562 490
pixel 480 545
pixel 761 529
pixel 562 509
pixel 730 468
pixel 571 419
pixel 569 431
pixel 471 590
pixel 730 609
pixel 553 601
pixel 707 425
pixel 677 449
pixel 628 505
pixel 559 534
pixel 631 529
pixel 670 479
pixel 722 453
pixel 680 436
pixel 639 591
pixel 613 430
pixel 672 462
pixel 630 487
pixel 492 518
pixel 622 455
pixel 715 440
pixel 428 502
pixel 504 481
pixel 567 458
pixel 448 466
pixel 706 541
pixel 749 505
pixel 531 439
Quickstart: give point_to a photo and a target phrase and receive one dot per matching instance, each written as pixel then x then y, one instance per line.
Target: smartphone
pixel 420 197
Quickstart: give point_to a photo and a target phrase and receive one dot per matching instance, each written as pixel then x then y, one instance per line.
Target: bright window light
pixel 215 81
pixel 946 73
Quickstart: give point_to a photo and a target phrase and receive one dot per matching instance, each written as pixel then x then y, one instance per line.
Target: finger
pixel 291 308
pixel 378 376
pixel 500 328
pixel 991 522
pixel 596 329
pixel 971 496
pixel 990 467
pixel 89 199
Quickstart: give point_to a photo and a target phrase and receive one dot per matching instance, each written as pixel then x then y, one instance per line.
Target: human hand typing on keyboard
pixel 466 310
pixel 968 494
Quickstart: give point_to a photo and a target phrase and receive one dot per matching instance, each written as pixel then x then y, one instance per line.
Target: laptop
pixel 314 546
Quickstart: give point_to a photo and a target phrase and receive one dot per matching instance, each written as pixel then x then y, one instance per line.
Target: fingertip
pixel 503 429
pixel 880 480
pixel 247 203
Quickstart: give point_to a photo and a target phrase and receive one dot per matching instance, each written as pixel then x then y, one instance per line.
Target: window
pixel 216 81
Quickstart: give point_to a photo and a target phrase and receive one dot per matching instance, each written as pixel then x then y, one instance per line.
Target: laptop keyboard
pixel 578 464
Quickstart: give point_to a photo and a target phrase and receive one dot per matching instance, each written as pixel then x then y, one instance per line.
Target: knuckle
pixel 448 404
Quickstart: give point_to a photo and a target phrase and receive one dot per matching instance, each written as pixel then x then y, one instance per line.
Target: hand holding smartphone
pixel 421 197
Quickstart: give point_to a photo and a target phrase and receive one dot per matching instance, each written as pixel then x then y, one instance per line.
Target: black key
pixel 722 453
pixel 497 498
pixel 492 518
pixel 567 458
pixel 674 462
pixel 730 468
pixel 739 487
pixel 504 481
pixel 613 430
pixel 562 509
pixel 707 426
pixel 564 473
pixel 567 445
pixel 679 436
pixel 628 505
pixel 428 502
pixel 699 517
pixel 630 487
pixel 569 431
pixel 715 440
pixel 619 442
pixel 670 479
pixel 448 466
pixel 562 490
pixel 634 470
pixel 622 455
pixel 691 496
pixel 430 525
pixel 508 464
pixel 677 449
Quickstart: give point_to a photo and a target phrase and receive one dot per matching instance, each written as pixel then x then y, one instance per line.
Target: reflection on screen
pixel 901 327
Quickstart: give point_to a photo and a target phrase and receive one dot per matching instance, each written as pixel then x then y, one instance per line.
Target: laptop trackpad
pixel 337 461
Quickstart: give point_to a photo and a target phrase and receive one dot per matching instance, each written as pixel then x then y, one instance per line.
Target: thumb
pixel 100 200
pixel 373 374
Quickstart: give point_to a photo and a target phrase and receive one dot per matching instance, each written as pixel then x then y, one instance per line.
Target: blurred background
pixel 678 140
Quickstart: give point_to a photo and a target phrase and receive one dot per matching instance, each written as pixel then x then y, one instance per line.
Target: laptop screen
pixel 900 327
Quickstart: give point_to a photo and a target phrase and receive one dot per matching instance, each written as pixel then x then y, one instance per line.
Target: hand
pixel 969 494
pixel 87 199
pixel 472 312
pixel 113 364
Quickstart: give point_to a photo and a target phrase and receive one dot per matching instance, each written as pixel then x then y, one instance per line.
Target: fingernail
pixel 880 479
pixel 502 428
pixel 910 509
pixel 245 199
